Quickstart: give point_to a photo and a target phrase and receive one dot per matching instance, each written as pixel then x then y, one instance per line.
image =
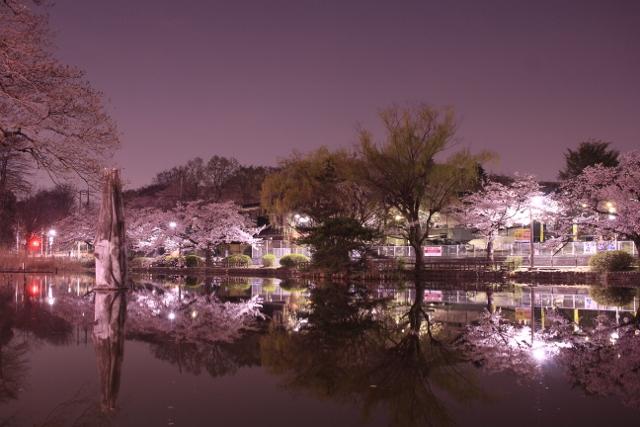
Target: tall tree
pixel 47 109
pixel 589 153
pixel 402 171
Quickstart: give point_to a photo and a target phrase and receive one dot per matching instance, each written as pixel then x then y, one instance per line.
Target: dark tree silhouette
pixel 588 153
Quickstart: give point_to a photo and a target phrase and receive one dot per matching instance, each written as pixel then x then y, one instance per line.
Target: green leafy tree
pixel 402 171
pixel 589 153
pixel 321 185
pixel 335 240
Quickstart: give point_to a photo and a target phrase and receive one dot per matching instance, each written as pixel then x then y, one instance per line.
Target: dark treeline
pixel 32 211
pixel 217 179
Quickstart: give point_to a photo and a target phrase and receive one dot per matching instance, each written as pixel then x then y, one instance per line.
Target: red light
pixel 35 243
pixel 35 290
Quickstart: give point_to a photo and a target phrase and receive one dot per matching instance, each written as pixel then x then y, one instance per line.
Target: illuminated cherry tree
pixel 497 206
pixel 197 224
pixel 607 199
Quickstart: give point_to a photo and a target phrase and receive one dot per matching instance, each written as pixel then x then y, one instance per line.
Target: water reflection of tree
pixel 351 350
pixel 13 353
pixel 216 359
pixel 605 360
pixel 602 358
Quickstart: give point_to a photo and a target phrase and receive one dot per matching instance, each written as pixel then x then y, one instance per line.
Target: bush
pixel 611 261
pixel 293 260
pixel 238 260
pixel 292 285
pixel 513 262
pixel 193 261
pixel 192 281
pixel 268 285
pixel 168 261
pixel 268 260
pixel 237 288
pixel 141 262
pixel 612 297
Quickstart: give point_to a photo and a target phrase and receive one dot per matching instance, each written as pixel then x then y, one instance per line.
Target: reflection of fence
pixel 544 296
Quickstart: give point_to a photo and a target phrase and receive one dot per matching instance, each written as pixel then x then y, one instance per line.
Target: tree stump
pixel 110 289
pixel 110 245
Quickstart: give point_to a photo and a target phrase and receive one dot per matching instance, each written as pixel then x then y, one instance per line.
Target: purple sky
pixel 257 79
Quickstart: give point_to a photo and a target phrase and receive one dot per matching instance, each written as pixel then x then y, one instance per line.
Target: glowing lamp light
pixel 194 314
pixel 52 233
pixel 173 225
pixel 398 217
pixel 539 354
pixel 172 316
pixel 35 243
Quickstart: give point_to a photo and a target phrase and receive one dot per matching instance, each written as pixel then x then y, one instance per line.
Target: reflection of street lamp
pixel 52 234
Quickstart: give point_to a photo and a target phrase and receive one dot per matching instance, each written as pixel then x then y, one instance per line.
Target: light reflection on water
pixel 241 349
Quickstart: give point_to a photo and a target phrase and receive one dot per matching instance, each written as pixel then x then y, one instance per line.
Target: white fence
pixel 258 251
pixel 570 249
pixel 569 254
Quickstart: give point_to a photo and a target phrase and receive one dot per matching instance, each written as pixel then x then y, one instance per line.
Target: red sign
pixel 432 250
pixel 432 296
pixel 522 234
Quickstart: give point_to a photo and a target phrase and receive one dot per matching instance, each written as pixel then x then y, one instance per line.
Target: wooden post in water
pixel 110 290
pixel 110 246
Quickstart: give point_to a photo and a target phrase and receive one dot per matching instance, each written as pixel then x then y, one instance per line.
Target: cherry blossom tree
pixel 48 110
pixel 197 224
pixel 497 206
pixel 606 199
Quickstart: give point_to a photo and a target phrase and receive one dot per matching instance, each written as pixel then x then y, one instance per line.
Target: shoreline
pixel 524 277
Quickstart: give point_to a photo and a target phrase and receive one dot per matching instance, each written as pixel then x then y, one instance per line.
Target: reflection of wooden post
pixel 111 282
pixel 110 249
pixel 108 340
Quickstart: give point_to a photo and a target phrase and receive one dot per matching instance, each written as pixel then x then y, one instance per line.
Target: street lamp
pixel 52 234
pixel 173 225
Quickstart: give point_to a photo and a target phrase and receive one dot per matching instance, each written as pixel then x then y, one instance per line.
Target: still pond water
pixel 252 351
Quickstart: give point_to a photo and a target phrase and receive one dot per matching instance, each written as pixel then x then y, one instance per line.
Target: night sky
pixel 257 79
